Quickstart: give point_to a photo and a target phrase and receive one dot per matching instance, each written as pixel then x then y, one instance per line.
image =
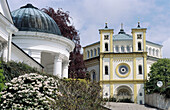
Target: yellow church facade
pixel 120 62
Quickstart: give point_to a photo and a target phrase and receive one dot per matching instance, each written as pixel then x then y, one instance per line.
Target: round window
pixel 123 70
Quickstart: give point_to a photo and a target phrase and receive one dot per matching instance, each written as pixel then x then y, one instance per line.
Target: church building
pixel 120 62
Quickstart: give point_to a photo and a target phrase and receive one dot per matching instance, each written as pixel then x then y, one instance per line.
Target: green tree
pixel 160 71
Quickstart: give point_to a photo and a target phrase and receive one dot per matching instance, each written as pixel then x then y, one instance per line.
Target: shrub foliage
pixel 2 78
pixel 13 69
pixel 29 91
pixel 40 91
pixel 79 95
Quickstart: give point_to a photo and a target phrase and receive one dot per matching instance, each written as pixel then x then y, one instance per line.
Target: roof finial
pixel 121 25
pixel 138 23
pixel 106 25
pixel 121 30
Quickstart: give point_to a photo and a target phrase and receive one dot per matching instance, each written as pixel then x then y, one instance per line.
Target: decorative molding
pixel 123 81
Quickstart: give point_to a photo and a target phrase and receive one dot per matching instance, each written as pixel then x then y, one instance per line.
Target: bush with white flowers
pixel 30 91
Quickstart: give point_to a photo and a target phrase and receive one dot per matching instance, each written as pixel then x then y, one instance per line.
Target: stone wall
pixel 158 101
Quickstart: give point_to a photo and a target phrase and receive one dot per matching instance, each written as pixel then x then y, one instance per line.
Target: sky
pixel 88 16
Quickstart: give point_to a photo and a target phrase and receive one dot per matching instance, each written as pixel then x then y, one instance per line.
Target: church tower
pixel 139 39
pixel 106 39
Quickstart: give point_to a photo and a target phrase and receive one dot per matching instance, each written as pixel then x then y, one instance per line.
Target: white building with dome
pixel 38 41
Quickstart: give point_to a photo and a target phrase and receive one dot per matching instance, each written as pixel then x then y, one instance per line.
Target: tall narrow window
pixel 94 76
pixel 117 48
pixel 106 46
pixel 140 69
pixel 139 46
pixel 95 51
pixel 106 70
pixel 88 54
pixel 153 52
pixel 122 49
pixel 128 49
pixel 149 51
pixel 91 53
pixel 98 49
pixel 157 52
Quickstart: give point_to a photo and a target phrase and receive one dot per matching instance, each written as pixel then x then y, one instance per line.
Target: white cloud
pixel 166 48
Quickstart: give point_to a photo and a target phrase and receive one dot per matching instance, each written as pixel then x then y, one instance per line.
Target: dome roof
pixel 30 18
pixel 122 37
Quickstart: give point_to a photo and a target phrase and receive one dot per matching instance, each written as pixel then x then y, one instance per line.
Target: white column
pixel 65 69
pixel 9 47
pixel 57 70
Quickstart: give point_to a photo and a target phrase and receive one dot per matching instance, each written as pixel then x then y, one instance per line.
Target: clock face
pixel 123 69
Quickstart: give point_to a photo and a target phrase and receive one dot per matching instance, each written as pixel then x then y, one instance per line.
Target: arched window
pixel 157 52
pixel 149 51
pixel 98 49
pixel 122 49
pixel 117 48
pixel 94 76
pixel 88 54
pixel 153 52
pixel 91 53
pixel 106 46
pixel 140 69
pixel 95 51
pixel 106 70
pixel 128 49
pixel 139 46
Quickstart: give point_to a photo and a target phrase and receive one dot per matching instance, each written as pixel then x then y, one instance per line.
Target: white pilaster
pixel 114 49
pixel 125 48
pixel 57 70
pixel 120 49
pixel 65 69
pixel 9 47
pixel 130 48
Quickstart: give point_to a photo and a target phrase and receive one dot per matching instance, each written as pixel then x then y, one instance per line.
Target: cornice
pixel 52 37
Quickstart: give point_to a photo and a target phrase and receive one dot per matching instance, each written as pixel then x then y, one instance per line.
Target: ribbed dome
pixel 30 18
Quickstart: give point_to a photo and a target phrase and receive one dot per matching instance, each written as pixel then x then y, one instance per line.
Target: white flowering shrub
pixel 30 91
